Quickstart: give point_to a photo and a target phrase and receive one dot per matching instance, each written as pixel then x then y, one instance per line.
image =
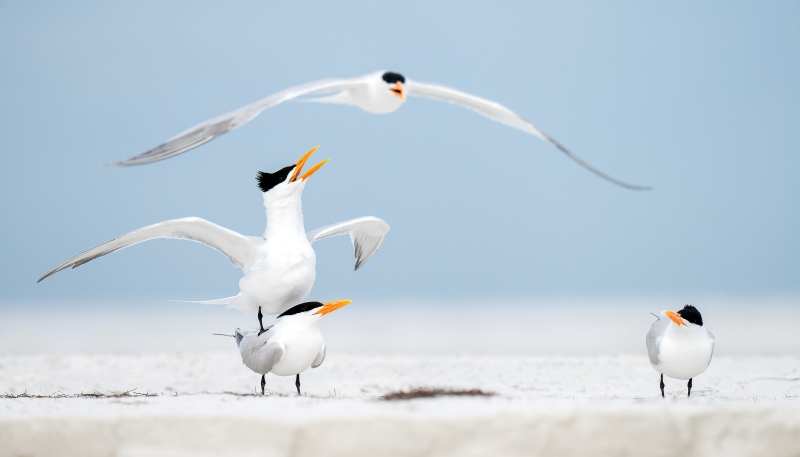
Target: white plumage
pixel 679 345
pixel 380 92
pixel 291 346
pixel 280 266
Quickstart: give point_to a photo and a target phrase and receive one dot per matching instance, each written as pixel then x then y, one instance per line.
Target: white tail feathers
pixel 230 301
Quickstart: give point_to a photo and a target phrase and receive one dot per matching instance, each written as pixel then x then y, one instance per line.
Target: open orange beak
pixel 298 167
pixel 332 306
pixel 675 317
pixel 398 90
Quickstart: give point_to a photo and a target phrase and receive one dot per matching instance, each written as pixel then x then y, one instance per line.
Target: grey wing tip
pixel 48 274
pixel 594 170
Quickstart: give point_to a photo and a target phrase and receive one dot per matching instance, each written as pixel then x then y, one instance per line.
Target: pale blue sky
pixel 700 101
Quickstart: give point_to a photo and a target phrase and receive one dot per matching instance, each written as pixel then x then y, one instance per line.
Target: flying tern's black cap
pixel 392 77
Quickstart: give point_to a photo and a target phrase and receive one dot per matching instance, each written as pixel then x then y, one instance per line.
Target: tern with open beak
pixel 378 93
pixel 290 346
pixel 679 346
pixel 279 266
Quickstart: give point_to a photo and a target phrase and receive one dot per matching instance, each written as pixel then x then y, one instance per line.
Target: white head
pixel 386 93
pixel 286 184
pixel 310 313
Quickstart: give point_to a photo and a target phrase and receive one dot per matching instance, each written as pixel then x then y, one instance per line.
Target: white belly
pixel 301 350
pixel 279 281
pixel 684 358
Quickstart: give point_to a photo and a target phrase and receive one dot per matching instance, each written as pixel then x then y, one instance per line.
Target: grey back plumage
pixel 654 339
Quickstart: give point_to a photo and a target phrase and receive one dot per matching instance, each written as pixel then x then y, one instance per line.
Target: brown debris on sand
pixel 95 394
pixel 425 392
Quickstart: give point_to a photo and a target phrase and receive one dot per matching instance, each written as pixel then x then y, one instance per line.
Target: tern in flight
pixel 279 266
pixel 290 346
pixel 679 346
pixel 378 93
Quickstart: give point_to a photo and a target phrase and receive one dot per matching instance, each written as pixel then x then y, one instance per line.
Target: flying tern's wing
pixel 654 339
pixel 500 113
pixel 208 130
pixel 366 233
pixel 238 248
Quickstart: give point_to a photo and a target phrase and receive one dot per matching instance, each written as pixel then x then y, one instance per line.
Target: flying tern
pixel 679 346
pixel 290 346
pixel 380 92
pixel 279 266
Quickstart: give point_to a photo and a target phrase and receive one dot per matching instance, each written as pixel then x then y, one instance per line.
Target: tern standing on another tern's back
pixel 280 266
pixel 291 346
pixel 378 93
pixel 679 346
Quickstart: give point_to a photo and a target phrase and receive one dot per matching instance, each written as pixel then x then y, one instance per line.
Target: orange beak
pixel 398 90
pixel 675 317
pixel 298 167
pixel 332 306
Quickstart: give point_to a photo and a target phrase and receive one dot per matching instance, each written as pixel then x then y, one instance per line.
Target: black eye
pixel 392 78
pixel 267 181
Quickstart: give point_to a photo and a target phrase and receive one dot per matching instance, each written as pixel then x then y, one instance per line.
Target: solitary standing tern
pixel 291 346
pixel 280 266
pixel 679 346
pixel 378 93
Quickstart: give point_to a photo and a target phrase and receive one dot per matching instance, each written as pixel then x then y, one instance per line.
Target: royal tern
pixel 378 93
pixel 680 346
pixel 289 347
pixel 280 266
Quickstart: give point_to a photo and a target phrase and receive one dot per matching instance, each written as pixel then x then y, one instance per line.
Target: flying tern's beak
pixel 675 317
pixel 332 306
pixel 298 167
pixel 398 90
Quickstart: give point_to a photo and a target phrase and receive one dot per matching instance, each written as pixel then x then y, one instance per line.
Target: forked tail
pixel 230 301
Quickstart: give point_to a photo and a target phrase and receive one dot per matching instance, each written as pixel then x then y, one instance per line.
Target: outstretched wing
pixel 208 130
pixel 239 249
pixel 500 113
pixel 366 233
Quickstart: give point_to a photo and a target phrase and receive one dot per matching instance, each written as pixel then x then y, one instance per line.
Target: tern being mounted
pixel 378 93
pixel 280 266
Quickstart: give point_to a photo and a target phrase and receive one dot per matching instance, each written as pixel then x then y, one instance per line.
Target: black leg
pixel 690 387
pixel 662 385
pixel 260 324
pixel 263 383
pixel 297 383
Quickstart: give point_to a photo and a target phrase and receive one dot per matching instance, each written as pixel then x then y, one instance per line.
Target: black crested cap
pixel 691 314
pixel 267 181
pixel 392 77
pixel 301 308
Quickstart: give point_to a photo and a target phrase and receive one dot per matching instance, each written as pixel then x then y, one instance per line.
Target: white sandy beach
pixel 567 379
pixel 554 406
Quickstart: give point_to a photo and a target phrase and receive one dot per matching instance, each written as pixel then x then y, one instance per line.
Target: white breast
pixel 684 352
pixel 280 279
pixel 302 347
